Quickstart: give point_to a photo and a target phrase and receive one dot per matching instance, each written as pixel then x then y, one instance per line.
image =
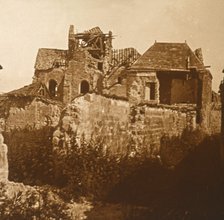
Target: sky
pixel 27 25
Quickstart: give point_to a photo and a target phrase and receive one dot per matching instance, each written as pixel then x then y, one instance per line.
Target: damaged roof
pixel 125 57
pixel 168 56
pixel 46 58
pixel 95 30
pixel 29 90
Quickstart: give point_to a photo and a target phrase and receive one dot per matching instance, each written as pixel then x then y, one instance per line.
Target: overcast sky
pixel 27 25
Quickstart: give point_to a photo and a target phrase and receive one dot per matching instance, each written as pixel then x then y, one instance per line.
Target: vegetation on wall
pixel 88 169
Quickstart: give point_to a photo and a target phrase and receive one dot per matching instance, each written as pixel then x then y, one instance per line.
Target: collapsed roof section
pixel 97 43
pixel 94 40
pixel 124 57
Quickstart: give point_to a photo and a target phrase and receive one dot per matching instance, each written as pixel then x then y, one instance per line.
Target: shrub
pixel 30 156
pixel 25 202
pixel 174 149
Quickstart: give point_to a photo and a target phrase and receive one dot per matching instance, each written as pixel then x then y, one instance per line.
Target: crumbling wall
pixel 56 74
pixel 118 90
pixel 137 84
pixel 35 114
pixel 125 128
pixel 82 67
pixel 151 123
pixel 104 119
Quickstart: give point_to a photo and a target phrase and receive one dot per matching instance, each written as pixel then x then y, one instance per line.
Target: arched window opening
pixel 41 92
pixel 84 87
pixel 53 88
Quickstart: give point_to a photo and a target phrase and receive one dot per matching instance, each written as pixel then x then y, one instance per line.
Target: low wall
pixel 150 123
pixel 29 112
pixel 125 128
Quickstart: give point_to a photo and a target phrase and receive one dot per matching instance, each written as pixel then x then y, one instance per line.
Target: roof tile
pixel 168 56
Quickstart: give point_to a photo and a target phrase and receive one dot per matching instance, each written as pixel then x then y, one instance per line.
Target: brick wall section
pixel 123 127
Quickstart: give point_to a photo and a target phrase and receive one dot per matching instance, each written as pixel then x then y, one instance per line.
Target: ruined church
pixel 118 93
pixel 167 73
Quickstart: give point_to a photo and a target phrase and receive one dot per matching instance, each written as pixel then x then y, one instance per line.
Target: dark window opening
pixel 119 80
pixel 84 87
pixel 53 88
pixel 56 64
pixel 152 91
pixel 100 66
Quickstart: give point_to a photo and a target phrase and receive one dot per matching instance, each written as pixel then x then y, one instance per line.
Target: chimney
pixel 198 53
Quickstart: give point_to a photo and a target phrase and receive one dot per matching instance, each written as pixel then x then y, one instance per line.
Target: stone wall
pixel 149 124
pixel 56 74
pixel 82 67
pixel 125 128
pixel 30 112
pixel 138 87
pixel 103 118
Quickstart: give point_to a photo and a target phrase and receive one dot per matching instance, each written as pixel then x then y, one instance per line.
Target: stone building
pixel 116 96
pixel 171 73
pixel 166 74
pixel 82 68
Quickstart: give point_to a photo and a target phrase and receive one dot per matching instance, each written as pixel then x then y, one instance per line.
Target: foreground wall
pixel 125 128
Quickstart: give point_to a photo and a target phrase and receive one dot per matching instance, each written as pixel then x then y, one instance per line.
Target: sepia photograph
pixel 111 110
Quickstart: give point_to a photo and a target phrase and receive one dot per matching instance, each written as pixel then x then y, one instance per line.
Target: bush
pixel 174 149
pixel 30 156
pixel 87 170
pixel 25 202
